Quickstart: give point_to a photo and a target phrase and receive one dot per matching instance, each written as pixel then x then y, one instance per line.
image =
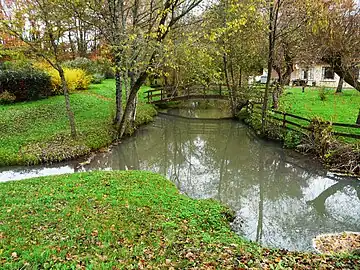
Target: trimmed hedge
pixel 25 83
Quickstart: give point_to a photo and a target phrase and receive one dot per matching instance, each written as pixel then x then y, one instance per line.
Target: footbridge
pixel 166 94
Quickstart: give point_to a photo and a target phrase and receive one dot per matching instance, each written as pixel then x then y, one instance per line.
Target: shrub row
pixel 99 69
pixel 24 84
pixel 24 81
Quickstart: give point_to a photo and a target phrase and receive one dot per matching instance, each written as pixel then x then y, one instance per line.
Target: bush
pixel 76 79
pixel 322 94
pixel 292 139
pixel 99 66
pixel 97 78
pixel 25 83
pixel 81 63
pixel 7 98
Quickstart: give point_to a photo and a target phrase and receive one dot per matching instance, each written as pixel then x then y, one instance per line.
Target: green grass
pixel 128 220
pixel 339 108
pixel 35 132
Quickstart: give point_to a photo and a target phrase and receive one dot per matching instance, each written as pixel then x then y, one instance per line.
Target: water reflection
pixel 283 199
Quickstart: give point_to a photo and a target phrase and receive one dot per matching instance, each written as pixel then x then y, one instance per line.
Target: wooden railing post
pixel 220 90
pixel 284 120
pixel 161 94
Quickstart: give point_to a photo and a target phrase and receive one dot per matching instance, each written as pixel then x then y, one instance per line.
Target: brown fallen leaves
pixel 337 243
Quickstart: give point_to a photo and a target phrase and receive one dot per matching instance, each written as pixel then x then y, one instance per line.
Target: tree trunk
pixel 119 108
pixel 134 104
pixel 289 69
pixel 270 65
pixel 275 95
pixel 70 113
pixel 350 74
pixel 358 119
pixel 232 100
pixel 340 85
pixel 133 93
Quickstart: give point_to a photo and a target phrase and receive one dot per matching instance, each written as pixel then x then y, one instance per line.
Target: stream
pixel 282 199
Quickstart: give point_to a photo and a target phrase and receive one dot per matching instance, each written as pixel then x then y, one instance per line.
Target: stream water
pixel 282 199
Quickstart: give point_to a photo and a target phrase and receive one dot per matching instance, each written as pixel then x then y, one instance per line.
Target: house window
pixel 307 74
pixel 328 73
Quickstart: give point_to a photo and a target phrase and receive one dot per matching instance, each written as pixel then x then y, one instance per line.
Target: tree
pixel 334 38
pixel 42 25
pixel 135 31
pixel 273 13
pixel 340 85
pixel 237 32
pixel 171 12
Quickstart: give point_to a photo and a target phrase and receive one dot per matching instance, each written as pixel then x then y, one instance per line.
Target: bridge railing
pixel 169 93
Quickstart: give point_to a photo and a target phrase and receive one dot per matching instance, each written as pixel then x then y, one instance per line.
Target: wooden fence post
pixel 284 120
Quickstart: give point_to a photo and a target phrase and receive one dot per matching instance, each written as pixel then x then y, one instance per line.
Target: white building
pixel 317 75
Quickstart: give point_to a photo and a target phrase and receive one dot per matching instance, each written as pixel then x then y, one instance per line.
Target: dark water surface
pixel 281 199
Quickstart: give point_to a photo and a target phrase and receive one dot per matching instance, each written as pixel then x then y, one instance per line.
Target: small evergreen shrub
pixel 7 98
pixel 25 83
pixel 322 94
pixel 97 78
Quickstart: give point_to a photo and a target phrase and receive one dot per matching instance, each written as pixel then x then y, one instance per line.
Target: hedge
pixel 25 84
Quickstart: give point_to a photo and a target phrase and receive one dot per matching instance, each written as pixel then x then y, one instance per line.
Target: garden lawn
pixel 340 108
pixel 38 131
pixel 128 220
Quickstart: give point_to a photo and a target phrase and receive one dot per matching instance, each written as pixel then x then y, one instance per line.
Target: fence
pixel 287 122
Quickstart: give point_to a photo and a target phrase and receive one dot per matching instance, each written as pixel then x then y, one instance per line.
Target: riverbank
pixel 339 154
pixel 38 132
pixel 128 219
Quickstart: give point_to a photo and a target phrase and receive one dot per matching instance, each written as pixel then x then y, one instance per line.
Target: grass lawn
pixel 128 220
pixel 339 108
pixel 35 132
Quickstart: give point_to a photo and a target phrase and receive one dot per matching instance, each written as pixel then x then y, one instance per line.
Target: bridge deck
pixel 188 97
pixel 162 95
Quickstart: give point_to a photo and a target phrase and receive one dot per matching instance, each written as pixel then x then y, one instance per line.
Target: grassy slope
pixel 340 108
pixel 131 220
pixel 32 132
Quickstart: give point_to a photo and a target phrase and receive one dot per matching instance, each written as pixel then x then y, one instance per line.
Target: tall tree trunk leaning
pixel 350 74
pixel 130 102
pixel 229 86
pixel 69 112
pixel 135 102
pixel 340 85
pixel 275 94
pixel 272 31
pixel 118 87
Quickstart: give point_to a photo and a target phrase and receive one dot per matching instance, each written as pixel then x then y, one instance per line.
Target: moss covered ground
pixel 128 220
pixel 38 131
